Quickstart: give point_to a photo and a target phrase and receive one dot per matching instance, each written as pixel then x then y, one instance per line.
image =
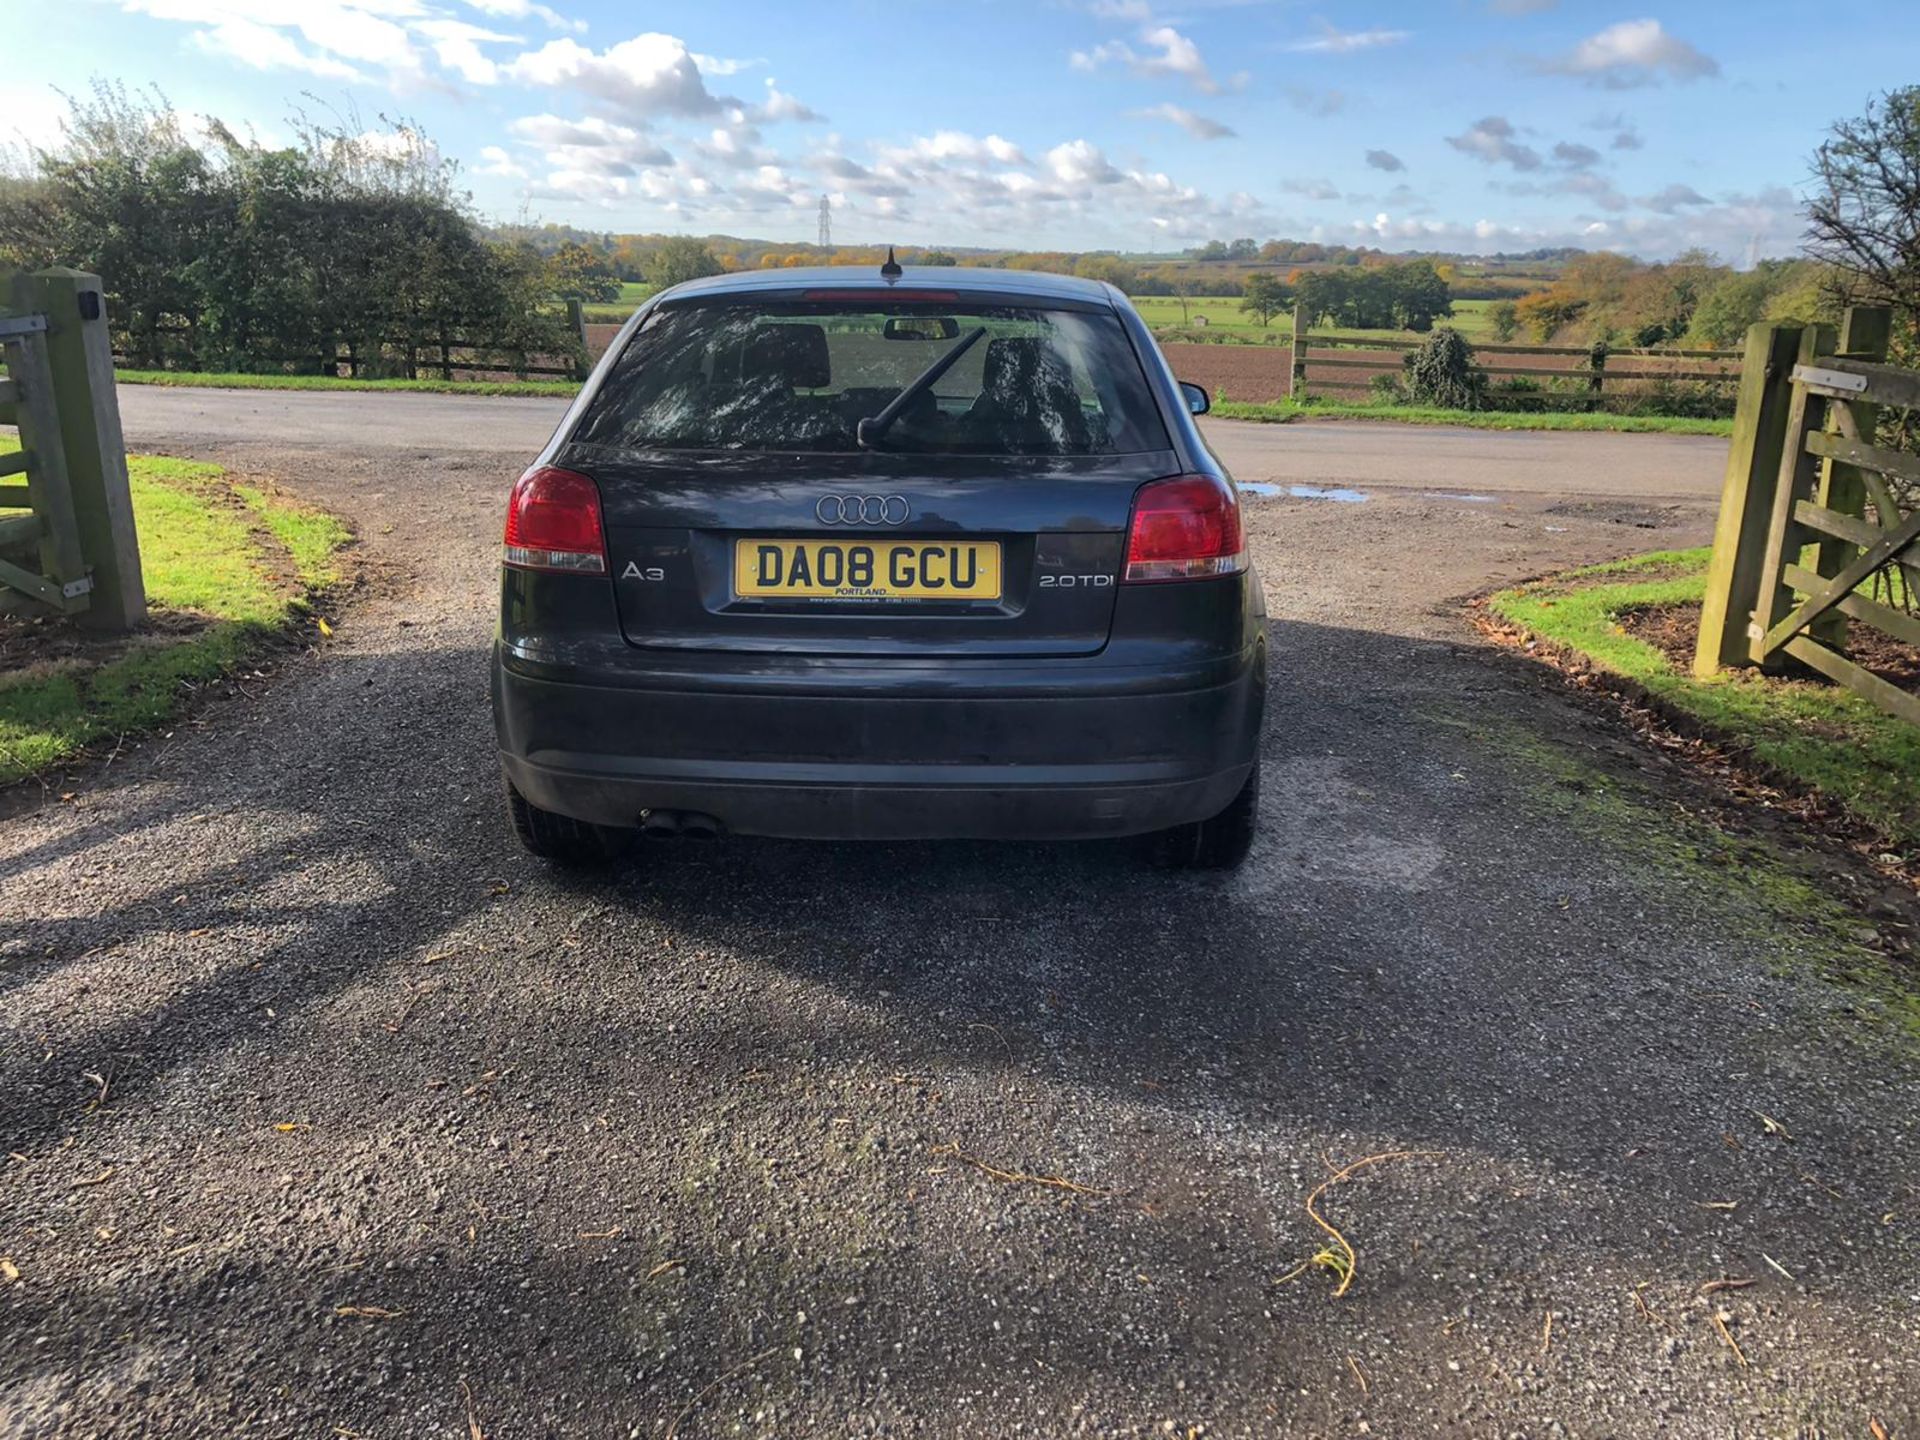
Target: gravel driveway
pixel 330 1113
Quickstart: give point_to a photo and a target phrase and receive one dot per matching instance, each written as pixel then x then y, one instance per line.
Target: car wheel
pixel 1219 843
pixel 561 838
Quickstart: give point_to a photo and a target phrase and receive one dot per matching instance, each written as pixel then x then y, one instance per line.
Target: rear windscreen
pixel 769 375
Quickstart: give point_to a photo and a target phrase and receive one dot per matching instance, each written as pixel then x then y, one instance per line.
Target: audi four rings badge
pixel 862 509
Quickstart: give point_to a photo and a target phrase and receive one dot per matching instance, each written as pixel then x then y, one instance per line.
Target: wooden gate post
pixel 80 360
pixel 577 321
pixel 1297 358
pixel 1746 498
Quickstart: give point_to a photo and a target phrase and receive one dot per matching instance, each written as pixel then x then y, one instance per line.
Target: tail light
pixel 1185 528
pixel 553 523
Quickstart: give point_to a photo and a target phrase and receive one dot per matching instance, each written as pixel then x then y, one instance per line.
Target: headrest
pixel 1021 363
pixel 792 355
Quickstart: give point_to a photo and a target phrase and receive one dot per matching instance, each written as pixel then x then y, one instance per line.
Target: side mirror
pixel 1196 397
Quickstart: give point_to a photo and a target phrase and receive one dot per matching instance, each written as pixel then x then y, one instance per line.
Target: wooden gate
pixel 67 536
pixel 1841 514
pixel 48 526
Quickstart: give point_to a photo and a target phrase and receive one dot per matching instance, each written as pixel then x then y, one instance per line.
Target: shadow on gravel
pixel 1433 947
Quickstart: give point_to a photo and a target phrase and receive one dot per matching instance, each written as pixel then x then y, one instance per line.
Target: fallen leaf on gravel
pixel 601 1234
pixel 1772 1126
pixel 474 1432
pixel 1713 1287
pixel 498 887
pixel 1718 1204
pixel 1720 1324
pixel 9 1271
pixel 1879 1430
pixel 663 1267
pixel 325 628
pixel 100 1179
pixel 1018 1177
pixel 368 1312
pixel 199 934
pixel 287 1127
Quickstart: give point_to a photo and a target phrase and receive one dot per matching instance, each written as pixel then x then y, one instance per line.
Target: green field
pixel 1224 316
pixel 614 312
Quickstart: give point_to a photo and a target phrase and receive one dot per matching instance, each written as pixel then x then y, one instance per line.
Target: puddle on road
pixel 1341 493
pixel 1463 499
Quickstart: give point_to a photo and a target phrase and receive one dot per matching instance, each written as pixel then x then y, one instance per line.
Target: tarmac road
pixel 1645 467
pixel 329 1109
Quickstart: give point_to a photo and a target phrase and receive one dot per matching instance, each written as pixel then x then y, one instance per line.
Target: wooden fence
pixel 1339 366
pixel 1819 526
pixel 444 350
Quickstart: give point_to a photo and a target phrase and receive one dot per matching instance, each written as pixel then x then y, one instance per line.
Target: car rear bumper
pixel 922 758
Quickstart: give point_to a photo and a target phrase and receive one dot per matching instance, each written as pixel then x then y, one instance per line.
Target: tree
pixel 1265 295
pixel 1504 316
pixel 937 257
pixel 1548 311
pixel 578 273
pixel 1243 249
pixel 218 253
pixel 681 257
pixel 1864 215
pixel 1121 274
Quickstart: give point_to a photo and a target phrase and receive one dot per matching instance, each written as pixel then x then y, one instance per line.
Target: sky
pixel 1141 125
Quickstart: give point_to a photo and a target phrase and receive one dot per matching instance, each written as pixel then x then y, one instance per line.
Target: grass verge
pixel 209 380
pixel 226 567
pixel 1815 735
pixel 1280 412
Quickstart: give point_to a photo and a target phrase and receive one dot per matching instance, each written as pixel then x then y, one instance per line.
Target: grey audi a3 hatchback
pixel 916 554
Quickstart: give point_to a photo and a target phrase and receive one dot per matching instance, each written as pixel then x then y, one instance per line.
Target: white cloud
pixel 650 74
pixel 1333 41
pixel 721 66
pixel 1495 141
pixel 263 48
pixel 1633 53
pixel 1080 162
pixel 527 9
pixel 496 161
pixel 456 45
pixel 1198 126
pixel 781 106
pixel 1170 54
pixel 1384 160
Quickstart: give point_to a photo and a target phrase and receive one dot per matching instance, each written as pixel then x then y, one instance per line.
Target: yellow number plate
pixel 866 570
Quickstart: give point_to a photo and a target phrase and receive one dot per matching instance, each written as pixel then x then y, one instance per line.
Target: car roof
pixel 944 278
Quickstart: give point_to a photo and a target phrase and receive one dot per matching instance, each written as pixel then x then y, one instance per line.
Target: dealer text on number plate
pixel 858 570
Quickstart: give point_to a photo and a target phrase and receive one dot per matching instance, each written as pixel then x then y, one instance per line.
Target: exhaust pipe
pixel 696 826
pixel 660 824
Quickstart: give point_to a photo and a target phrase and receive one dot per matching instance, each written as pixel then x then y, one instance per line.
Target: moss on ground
pixel 1815 734
pixel 1785 912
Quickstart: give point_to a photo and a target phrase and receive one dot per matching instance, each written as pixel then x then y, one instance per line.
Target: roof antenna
pixel 891 270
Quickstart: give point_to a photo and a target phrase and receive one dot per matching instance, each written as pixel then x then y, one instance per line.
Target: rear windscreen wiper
pixel 869 430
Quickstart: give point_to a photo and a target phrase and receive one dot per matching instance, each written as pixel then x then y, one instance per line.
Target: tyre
pixel 562 839
pixel 1219 843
